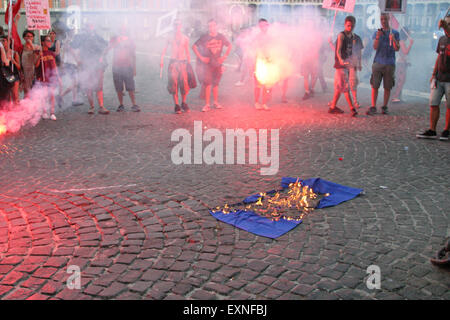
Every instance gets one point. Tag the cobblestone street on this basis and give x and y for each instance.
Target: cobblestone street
(101, 192)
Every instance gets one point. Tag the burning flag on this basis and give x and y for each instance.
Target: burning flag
(274, 213)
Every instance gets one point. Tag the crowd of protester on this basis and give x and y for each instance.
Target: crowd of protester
(39, 66)
(81, 58)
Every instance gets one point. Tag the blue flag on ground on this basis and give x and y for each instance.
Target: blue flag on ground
(254, 223)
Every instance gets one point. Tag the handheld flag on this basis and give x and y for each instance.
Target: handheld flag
(9, 20)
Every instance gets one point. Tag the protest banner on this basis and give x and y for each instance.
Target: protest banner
(38, 14)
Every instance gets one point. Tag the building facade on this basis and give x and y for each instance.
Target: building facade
(421, 14)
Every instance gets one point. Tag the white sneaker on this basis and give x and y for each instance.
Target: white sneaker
(265, 107)
(258, 106)
(45, 116)
(239, 84)
(53, 117)
(206, 108)
(218, 105)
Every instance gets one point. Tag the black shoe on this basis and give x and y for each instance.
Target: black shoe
(121, 108)
(335, 110)
(135, 108)
(371, 111)
(444, 136)
(177, 109)
(429, 134)
(307, 96)
(185, 107)
(353, 112)
(384, 110)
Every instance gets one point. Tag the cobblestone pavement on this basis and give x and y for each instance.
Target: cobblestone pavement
(100, 192)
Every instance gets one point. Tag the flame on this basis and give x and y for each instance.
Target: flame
(267, 72)
(3, 127)
(291, 204)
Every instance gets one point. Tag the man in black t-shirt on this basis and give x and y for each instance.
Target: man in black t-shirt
(347, 62)
(440, 84)
(208, 50)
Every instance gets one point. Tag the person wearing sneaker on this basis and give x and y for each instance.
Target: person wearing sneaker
(402, 64)
(345, 65)
(386, 43)
(178, 75)
(261, 93)
(47, 74)
(124, 67)
(440, 84)
(92, 64)
(209, 50)
(70, 70)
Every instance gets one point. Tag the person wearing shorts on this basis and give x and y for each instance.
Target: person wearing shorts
(178, 67)
(347, 60)
(92, 48)
(386, 43)
(211, 44)
(124, 67)
(261, 93)
(440, 85)
(70, 62)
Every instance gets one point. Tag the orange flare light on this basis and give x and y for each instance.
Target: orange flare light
(267, 73)
(3, 128)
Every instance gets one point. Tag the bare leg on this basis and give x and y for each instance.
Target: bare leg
(306, 83)
(52, 103)
(434, 117)
(120, 97)
(215, 91)
(374, 97)
(132, 97)
(175, 98)
(387, 94)
(100, 98)
(184, 97)
(336, 97)
(15, 93)
(447, 119)
(90, 97)
(208, 94)
(349, 99)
